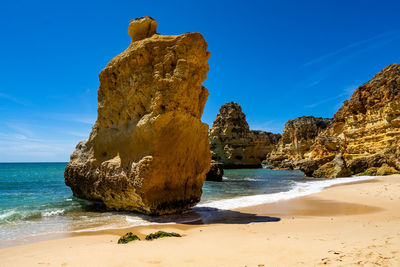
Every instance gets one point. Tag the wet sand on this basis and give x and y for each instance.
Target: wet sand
(345, 225)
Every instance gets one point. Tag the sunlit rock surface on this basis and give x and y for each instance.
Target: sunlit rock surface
(234, 144)
(148, 150)
(365, 130)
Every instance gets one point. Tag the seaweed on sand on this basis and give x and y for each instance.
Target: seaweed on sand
(161, 234)
(128, 237)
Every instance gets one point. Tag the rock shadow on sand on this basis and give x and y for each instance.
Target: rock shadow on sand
(192, 216)
(207, 215)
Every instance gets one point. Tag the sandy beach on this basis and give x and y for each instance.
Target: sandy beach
(345, 225)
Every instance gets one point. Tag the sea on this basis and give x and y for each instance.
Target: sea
(35, 202)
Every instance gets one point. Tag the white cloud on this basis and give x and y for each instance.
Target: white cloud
(13, 99)
(344, 95)
(370, 41)
(20, 128)
(22, 148)
(334, 60)
(78, 134)
(80, 118)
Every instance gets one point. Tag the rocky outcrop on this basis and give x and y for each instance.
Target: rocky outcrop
(332, 169)
(365, 130)
(234, 144)
(297, 138)
(148, 150)
(216, 172)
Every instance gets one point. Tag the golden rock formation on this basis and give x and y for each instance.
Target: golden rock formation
(234, 144)
(365, 130)
(297, 138)
(142, 28)
(148, 150)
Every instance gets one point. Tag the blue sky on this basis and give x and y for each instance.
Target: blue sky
(278, 59)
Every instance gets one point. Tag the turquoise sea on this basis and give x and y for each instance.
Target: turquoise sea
(35, 201)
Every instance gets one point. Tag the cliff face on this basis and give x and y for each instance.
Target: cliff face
(365, 130)
(234, 144)
(148, 150)
(297, 138)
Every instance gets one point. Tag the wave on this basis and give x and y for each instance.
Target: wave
(21, 222)
(299, 189)
(52, 213)
(250, 179)
(14, 215)
(238, 179)
(6, 214)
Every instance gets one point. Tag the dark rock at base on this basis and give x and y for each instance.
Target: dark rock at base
(333, 169)
(309, 166)
(361, 164)
(216, 172)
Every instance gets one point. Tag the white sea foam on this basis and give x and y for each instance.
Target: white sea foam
(130, 221)
(135, 220)
(249, 179)
(22, 228)
(52, 213)
(7, 214)
(299, 189)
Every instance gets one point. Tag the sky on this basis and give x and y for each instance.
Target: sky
(278, 59)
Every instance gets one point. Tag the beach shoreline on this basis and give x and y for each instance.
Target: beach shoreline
(92, 217)
(355, 223)
(209, 213)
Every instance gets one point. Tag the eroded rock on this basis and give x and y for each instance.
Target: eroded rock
(148, 150)
(333, 169)
(142, 28)
(297, 138)
(366, 129)
(234, 144)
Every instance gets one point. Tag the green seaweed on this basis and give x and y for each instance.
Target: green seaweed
(161, 234)
(128, 237)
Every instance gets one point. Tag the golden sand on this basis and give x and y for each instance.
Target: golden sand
(355, 224)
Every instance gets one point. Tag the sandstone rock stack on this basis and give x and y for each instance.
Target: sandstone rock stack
(234, 144)
(365, 131)
(297, 138)
(148, 150)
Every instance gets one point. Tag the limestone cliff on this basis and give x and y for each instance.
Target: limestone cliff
(234, 144)
(365, 130)
(297, 138)
(148, 150)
